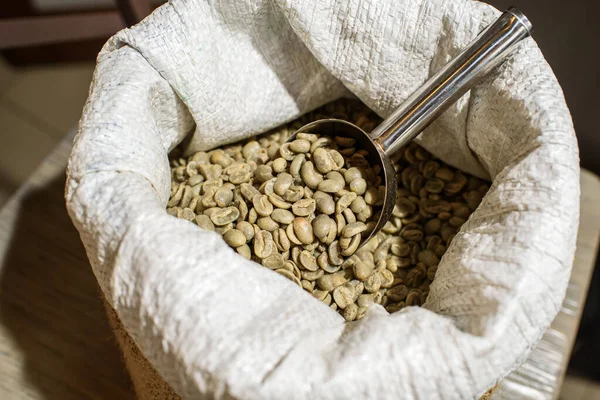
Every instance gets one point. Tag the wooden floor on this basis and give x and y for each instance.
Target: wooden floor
(579, 389)
(55, 342)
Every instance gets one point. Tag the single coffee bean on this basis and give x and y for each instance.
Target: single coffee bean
(304, 207)
(282, 216)
(300, 146)
(262, 205)
(303, 230)
(234, 238)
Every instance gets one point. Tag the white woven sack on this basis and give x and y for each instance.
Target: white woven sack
(216, 325)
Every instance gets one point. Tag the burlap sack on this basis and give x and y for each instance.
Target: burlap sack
(215, 325)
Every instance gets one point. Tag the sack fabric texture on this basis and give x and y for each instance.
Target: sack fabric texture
(216, 325)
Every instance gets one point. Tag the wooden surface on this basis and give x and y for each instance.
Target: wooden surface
(21, 32)
(55, 341)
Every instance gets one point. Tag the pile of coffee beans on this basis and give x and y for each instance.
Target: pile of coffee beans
(303, 208)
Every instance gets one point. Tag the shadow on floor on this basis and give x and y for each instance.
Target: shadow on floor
(50, 304)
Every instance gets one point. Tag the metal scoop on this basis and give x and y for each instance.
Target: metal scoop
(492, 45)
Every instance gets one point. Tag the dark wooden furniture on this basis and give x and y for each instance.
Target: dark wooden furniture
(51, 29)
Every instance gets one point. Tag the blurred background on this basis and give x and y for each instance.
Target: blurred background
(47, 53)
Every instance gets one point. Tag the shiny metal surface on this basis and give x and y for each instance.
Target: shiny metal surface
(443, 89)
(452, 81)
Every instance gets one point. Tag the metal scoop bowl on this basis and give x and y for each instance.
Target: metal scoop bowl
(443, 89)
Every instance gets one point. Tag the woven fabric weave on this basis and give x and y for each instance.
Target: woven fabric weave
(216, 325)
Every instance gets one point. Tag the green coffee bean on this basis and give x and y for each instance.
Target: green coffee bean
(319, 294)
(307, 285)
(286, 153)
(349, 216)
(366, 300)
(296, 165)
(358, 186)
(311, 137)
(278, 202)
(330, 186)
(321, 226)
(279, 165)
(387, 278)
(293, 194)
(221, 230)
(250, 149)
(273, 151)
(300, 146)
(288, 275)
(352, 246)
(363, 269)
(358, 205)
(262, 205)
(267, 224)
(268, 187)
(324, 203)
(282, 216)
(283, 183)
(223, 197)
(281, 240)
(373, 282)
(304, 207)
(274, 261)
(244, 251)
(248, 191)
(303, 230)
(234, 238)
(263, 173)
(338, 160)
(246, 228)
(310, 177)
(353, 229)
(330, 282)
(333, 251)
(224, 216)
(323, 262)
(323, 160)
(264, 245)
(320, 142)
(290, 233)
(343, 296)
(308, 261)
(312, 275)
(203, 221)
(350, 312)
(345, 201)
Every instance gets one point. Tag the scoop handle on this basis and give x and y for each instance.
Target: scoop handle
(492, 45)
